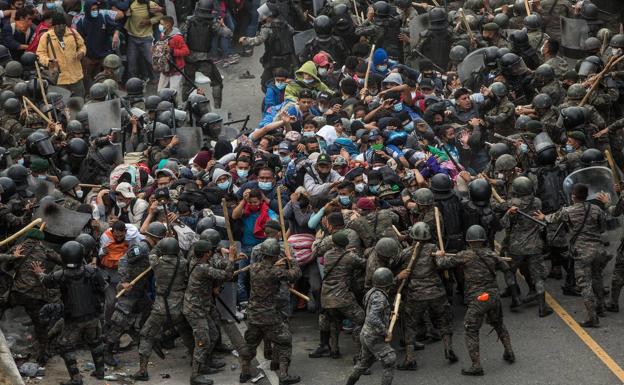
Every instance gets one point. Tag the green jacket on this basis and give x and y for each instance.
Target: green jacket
(294, 88)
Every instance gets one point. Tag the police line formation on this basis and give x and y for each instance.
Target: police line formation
(406, 153)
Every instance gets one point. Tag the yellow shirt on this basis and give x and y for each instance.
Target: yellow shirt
(138, 13)
(66, 54)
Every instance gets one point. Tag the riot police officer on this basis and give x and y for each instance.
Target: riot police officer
(325, 41)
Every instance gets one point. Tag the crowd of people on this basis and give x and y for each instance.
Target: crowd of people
(406, 152)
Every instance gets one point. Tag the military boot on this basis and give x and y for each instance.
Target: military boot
(614, 306)
(109, 357)
(544, 309)
(516, 301)
(323, 349)
(142, 375)
(449, 354)
(98, 361)
(352, 380)
(74, 374)
(410, 359)
(592, 318)
(505, 339)
(245, 374)
(284, 377)
(196, 377)
(475, 369)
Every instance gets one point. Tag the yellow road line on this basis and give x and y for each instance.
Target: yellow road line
(586, 338)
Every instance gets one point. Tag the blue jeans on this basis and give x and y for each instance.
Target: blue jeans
(225, 43)
(242, 293)
(139, 54)
(251, 6)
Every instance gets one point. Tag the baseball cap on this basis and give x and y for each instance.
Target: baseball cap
(125, 189)
(320, 59)
(340, 161)
(323, 159)
(283, 147)
(426, 84)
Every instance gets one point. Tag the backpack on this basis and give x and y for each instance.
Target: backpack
(162, 56)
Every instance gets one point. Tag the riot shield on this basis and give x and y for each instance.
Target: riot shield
(573, 35)
(65, 94)
(191, 141)
(471, 63)
(597, 178)
(60, 221)
(542, 142)
(103, 116)
(300, 39)
(417, 25)
(317, 6)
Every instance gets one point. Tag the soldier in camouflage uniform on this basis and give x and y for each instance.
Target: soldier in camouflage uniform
(171, 273)
(136, 301)
(499, 116)
(337, 298)
(373, 338)
(72, 192)
(586, 223)
(424, 293)
(199, 304)
(617, 281)
(372, 225)
(384, 254)
(526, 241)
(10, 119)
(263, 315)
(9, 222)
(163, 146)
(26, 289)
(480, 264)
(575, 148)
(424, 210)
(546, 83)
(574, 95)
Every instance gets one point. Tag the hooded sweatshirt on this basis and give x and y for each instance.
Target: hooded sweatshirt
(293, 88)
(177, 47)
(96, 32)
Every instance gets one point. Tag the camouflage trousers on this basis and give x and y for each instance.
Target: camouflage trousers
(279, 335)
(153, 330)
(75, 333)
(588, 268)
(32, 306)
(617, 282)
(331, 320)
(206, 334)
(127, 310)
(414, 312)
(532, 268)
(490, 310)
(375, 348)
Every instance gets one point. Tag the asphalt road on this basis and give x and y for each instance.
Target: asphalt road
(547, 350)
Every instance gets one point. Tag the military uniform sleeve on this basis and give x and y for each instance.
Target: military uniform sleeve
(375, 314)
(291, 275)
(262, 36)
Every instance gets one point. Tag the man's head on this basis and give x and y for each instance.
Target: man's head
(579, 192)
(335, 221)
(272, 229)
(462, 99)
(346, 192)
(59, 24)
(119, 231)
(254, 199)
(23, 19)
(17, 4)
(266, 179)
(167, 23)
(306, 100)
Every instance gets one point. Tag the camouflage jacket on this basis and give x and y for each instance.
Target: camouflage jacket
(555, 90)
(525, 236)
(585, 235)
(323, 245)
(198, 298)
(169, 278)
(25, 281)
(340, 265)
(500, 118)
(265, 281)
(424, 281)
(9, 222)
(373, 261)
(559, 64)
(378, 311)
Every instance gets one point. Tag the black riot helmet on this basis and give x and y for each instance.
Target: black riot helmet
(78, 147)
(480, 192)
(162, 131)
(18, 173)
(441, 186)
(137, 252)
(438, 19)
(72, 254)
(204, 224)
(74, 127)
(211, 235)
(382, 9)
(542, 101)
(498, 149)
(573, 117)
(28, 60)
(476, 233)
(68, 183)
(7, 189)
(490, 57)
(198, 105)
(519, 40)
(151, 102)
(543, 74)
(205, 9)
(592, 157)
(211, 124)
(533, 21)
(590, 65)
(323, 26)
(134, 88)
(87, 241)
(11, 106)
(510, 62)
(109, 154)
(458, 53)
(168, 94)
(545, 148)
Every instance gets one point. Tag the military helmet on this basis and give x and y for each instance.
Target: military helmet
(202, 246)
(617, 41)
(403, 4)
(111, 61)
(7, 94)
(13, 69)
(589, 11)
(21, 89)
(592, 44)
(137, 252)
(383, 278)
(340, 238)
(519, 38)
(498, 149)
(545, 72)
(8, 188)
(198, 104)
(437, 15)
(169, 246)
(83, 116)
(480, 191)
(501, 19)
(424, 197)
(205, 223)
(88, 242)
(211, 235)
(134, 87)
(108, 154)
(505, 162)
(270, 247)
(72, 254)
(592, 157)
(341, 9)
(420, 232)
(205, 8)
(533, 21)
(441, 183)
(498, 89)
(112, 87)
(458, 53)
(519, 8)
(11, 106)
(522, 186)
(590, 65)
(162, 131)
(382, 8)
(323, 26)
(68, 182)
(151, 102)
(98, 91)
(576, 92)
(509, 60)
(28, 59)
(78, 147)
(387, 247)
(542, 101)
(168, 94)
(573, 117)
(474, 5)
(476, 233)
(156, 230)
(74, 126)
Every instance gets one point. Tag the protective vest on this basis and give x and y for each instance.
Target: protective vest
(199, 34)
(80, 299)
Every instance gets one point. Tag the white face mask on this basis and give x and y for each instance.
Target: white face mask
(79, 194)
(121, 205)
(359, 187)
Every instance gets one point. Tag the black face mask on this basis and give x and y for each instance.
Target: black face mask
(303, 202)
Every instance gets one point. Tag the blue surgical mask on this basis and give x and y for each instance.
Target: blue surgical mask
(242, 173)
(409, 127)
(398, 107)
(308, 81)
(20, 161)
(280, 85)
(344, 200)
(373, 189)
(266, 186)
(44, 177)
(309, 134)
(50, 5)
(322, 71)
(223, 185)
(359, 187)
(524, 148)
(285, 159)
(94, 13)
(161, 28)
(568, 148)
(382, 68)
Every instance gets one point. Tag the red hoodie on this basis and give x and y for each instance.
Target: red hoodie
(40, 30)
(178, 48)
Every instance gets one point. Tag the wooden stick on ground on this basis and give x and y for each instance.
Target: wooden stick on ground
(21, 232)
(134, 281)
